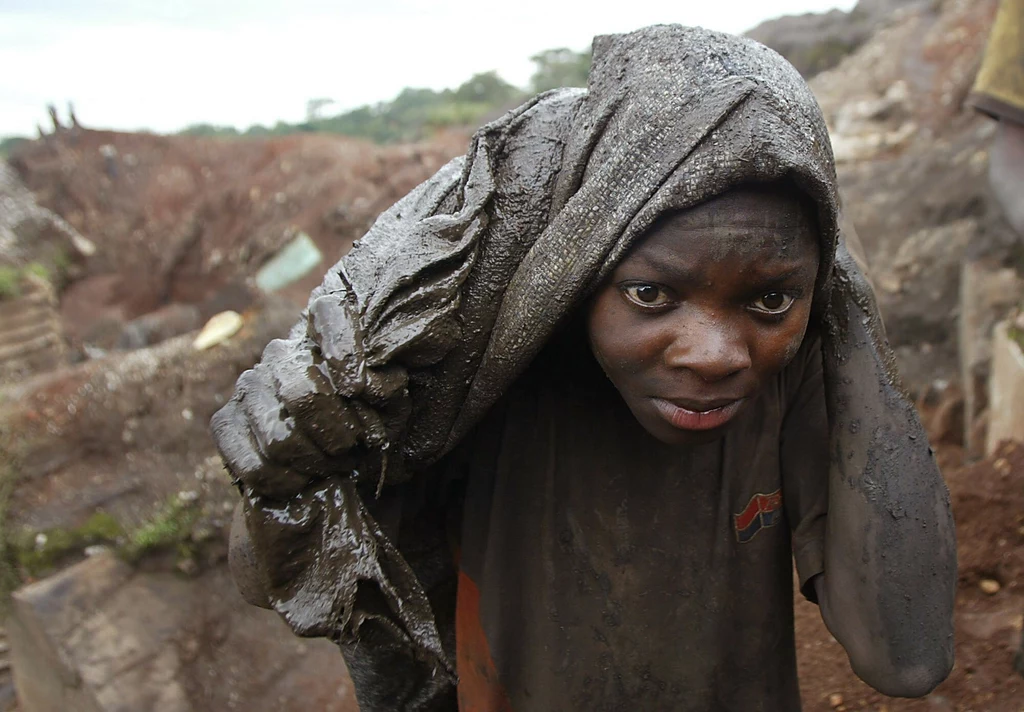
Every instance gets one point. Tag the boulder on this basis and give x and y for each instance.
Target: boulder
(987, 291)
(1006, 385)
(104, 637)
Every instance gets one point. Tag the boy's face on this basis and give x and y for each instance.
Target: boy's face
(705, 310)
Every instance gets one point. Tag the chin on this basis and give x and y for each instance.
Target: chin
(691, 437)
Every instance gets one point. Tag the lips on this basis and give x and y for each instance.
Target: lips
(697, 415)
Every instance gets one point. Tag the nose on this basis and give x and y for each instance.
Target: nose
(710, 347)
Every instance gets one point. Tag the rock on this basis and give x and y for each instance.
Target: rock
(835, 699)
(30, 232)
(218, 329)
(1006, 388)
(100, 637)
(989, 586)
(987, 292)
(814, 42)
(164, 323)
(31, 334)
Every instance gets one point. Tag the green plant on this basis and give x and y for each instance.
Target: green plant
(37, 269)
(170, 528)
(10, 283)
(9, 577)
(37, 552)
(1016, 334)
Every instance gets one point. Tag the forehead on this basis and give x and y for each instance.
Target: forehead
(754, 223)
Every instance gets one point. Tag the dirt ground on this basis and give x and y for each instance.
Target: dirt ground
(988, 504)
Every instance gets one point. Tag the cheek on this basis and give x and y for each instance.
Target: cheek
(619, 340)
(780, 345)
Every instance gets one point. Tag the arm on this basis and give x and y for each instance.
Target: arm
(1006, 171)
(889, 579)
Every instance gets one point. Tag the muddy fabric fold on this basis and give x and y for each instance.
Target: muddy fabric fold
(432, 316)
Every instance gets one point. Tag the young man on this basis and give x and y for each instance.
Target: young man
(549, 437)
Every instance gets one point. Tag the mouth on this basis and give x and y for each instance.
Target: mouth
(696, 415)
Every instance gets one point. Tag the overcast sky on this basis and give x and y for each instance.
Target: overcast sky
(163, 64)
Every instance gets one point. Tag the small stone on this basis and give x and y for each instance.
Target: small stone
(1002, 466)
(187, 414)
(218, 329)
(41, 540)
(835, 699)
(989, 586)
(96, 549)
(188, 496)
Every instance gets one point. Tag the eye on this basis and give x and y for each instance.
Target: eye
(646, 295)
(774, 303)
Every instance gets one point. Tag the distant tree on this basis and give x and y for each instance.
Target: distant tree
(9, 144)
(314, 107)
(488, 88)
(559, 68)
(208, 130)
(416, 112)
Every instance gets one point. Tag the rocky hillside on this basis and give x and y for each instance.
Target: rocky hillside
(185, 220)
(108, 453)
(814, 42)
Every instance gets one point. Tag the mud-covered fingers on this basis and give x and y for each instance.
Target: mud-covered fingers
(242, 457)
(306, 392)
(273, 427)
(244, 566)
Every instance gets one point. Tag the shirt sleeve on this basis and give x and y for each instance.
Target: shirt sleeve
(805, 463)
(999, 86)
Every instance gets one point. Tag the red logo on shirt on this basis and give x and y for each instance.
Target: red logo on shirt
(763, 510)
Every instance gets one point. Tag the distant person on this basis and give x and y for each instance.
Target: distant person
(999, 92)
(549, 438)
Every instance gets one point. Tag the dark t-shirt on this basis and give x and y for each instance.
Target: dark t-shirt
(603, 570)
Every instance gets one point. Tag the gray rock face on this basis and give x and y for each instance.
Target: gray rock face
(29, 231)
(101, 637)
(814, 42)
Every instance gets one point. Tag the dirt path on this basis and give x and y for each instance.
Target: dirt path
(988, 502)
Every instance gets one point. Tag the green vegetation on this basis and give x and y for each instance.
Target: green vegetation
(416, 113)
(36, 553)
(9, 577)
(11, 278)
(9, 144)
(559, 68)
(171, 528)
(37, 269)
(1015, 332)
(10, 283)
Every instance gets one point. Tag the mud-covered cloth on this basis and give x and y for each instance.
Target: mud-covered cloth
(431, 318)
(601, 571)
(999, 87)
